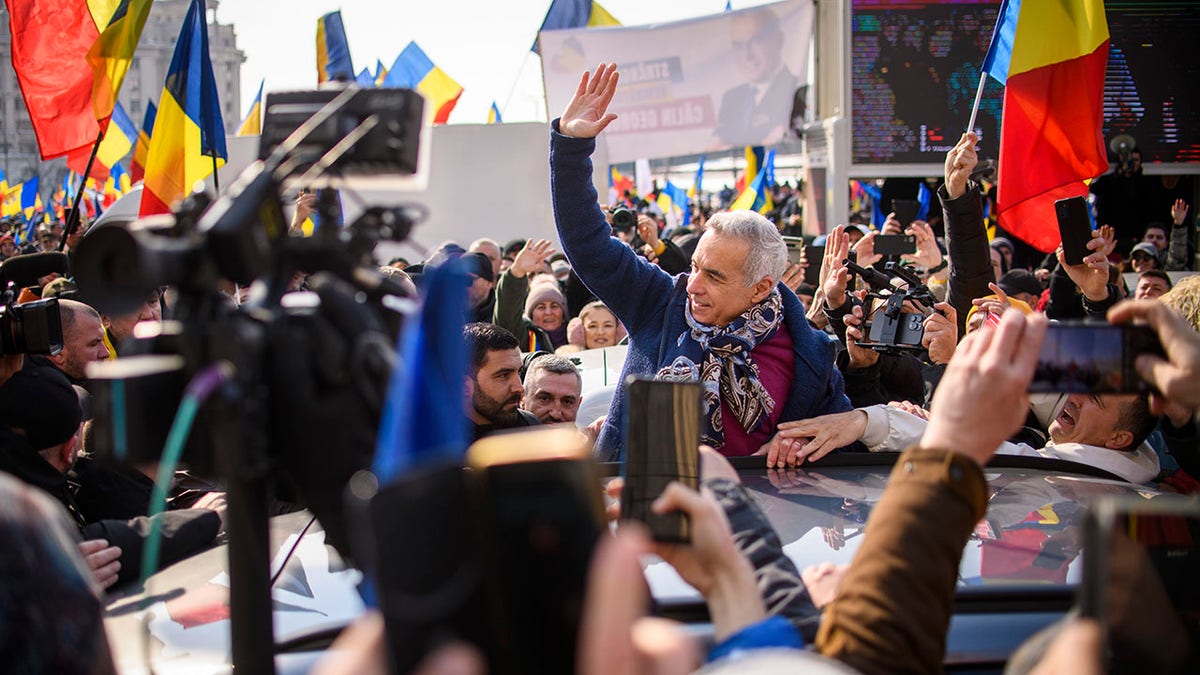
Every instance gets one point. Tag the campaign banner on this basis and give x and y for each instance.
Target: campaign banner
(700, 85)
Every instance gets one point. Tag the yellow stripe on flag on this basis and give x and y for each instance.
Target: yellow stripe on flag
(1053, 31)
(174, 164)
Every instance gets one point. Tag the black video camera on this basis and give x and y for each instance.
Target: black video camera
(30, 327)
(624, 220)
(891, 326)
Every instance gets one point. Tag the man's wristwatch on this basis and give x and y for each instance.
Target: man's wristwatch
(939, 267)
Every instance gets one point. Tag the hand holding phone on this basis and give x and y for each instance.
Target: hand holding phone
(1093, 358)
(1075, 227)
(662, 445)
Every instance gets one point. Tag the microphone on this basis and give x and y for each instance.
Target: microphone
(25, 270)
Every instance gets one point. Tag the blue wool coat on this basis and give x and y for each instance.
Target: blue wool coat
(651, 303)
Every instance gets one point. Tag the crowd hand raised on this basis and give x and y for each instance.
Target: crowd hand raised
(816, 311)
(531, 257)
(586, 115)
(711, 562)
(928, 254)
(306, 204)
(648, 231)
(982, 397)
(103, 560)
(960, 162)
(648, 254)
(1091, 276)
(910, 408)
(997, 305)
(860, 357)
(891, 225)
(1179, 211)
(1109, 235)
(793, 276)
(824, 435)
(834, 275)
(865, 250)
(1176, 378)
(941, 333)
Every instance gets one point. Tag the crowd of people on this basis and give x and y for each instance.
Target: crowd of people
(789, 373)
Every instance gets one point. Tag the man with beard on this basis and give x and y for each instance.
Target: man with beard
(493, 385)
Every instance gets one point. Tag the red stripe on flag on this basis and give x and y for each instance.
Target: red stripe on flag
(443, 113)
(1050, 142)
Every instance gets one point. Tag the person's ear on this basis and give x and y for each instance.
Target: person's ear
(1120, 440)
(762, 289)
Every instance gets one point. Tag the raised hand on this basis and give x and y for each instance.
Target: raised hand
(530, 258)
(587, 113)
(834, 275)
(928, 254)
(1109, 235)
(1179, 211)
(865, 250)
(1091, 276)
(960, 162)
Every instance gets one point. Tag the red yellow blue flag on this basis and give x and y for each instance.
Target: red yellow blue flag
(564, 14)
(1051, 56)
(137, 165)
(188, 142)
(252, 122)
(413, 70)
(333, 50)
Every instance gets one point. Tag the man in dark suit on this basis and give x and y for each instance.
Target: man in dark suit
(770, 99)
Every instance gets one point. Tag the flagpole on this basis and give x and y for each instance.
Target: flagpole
(978, 97)
(216, 182)
(73, 218)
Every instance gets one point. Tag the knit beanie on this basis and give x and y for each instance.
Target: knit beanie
(544, 287)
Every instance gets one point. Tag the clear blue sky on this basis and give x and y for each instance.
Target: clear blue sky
(482, 45)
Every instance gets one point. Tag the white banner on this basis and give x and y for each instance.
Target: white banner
(723, 81)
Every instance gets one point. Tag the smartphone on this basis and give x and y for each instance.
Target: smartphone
(795, 245)
(1097, 358)
(1075, 227)
(906, 212)
(1140, 582)
(662, 444)
(812, 275)
(895, 244)
(538, 514)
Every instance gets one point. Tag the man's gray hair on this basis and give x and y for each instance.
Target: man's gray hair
(551, 363)
(767, 257)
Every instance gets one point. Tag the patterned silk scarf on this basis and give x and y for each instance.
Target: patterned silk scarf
(726, 369)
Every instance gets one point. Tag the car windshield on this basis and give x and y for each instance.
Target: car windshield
(1032, 535)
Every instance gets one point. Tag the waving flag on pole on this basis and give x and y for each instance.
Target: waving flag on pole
(137, 165)
(1051, 56)
(189, 135)
(754, 161)
(494, 115)
(574, 14)
(674, 202)
(413, 70)
(698, 180)
(333, 50)
(380, 73)
(252, 122)
(70, 59)
(118, 142)
(757, 196)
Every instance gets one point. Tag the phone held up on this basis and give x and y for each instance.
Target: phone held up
(1140, 582)
(1075, 227)
(662, 444)
(1097, 358)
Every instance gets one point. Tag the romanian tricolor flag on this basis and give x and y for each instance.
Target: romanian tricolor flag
(333, 50)
(189, 135)
(380, 73)
(1051, 56)
(413, 70)
(619, 182)
(119, 179)
(754, 161)
(137, 166)
(757, 197)
(674, 202)
(12, 200)
(574, 14)
(70, 59)
(118, 141)
(698, 180)
(252, 122)
(494, 114)
(30, 199)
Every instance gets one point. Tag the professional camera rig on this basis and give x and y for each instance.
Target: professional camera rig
(294, 387)
(889, 327)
